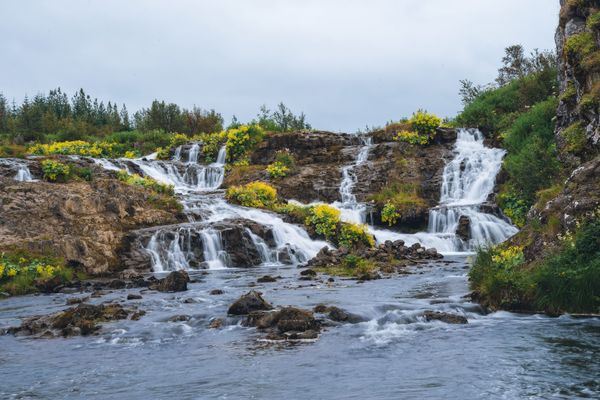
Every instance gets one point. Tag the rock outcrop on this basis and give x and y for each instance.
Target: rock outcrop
(82, 222)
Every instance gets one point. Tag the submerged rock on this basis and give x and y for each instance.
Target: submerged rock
(251, 301)
(85, 319)
(266, 279)
(444, 317)
(286, 323)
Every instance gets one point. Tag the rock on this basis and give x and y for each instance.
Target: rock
(308, 272)
(266, 279)
(251, 301)
(76, 300)
(463, 230)
(444, 317)
(176, 281)
(117, 284)
(180, 318)
(133, 296)
(216, 292)
(51, 285)
(285, 320)
(216, 323)
(81, 320)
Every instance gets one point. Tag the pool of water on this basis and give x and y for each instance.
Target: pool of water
(393, 354)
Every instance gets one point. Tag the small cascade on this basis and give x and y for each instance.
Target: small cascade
(19, 168)
(199, 244)
(468, 181)
(23, 174)
(351, 210)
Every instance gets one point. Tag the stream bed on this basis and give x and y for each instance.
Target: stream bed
(393, 354)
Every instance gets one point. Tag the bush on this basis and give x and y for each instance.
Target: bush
(324, 219)
(389, 214)
(145, 182)
(513, 206)
(352, 235)
(54, 171)
(254, 194)
(277, 170)
(412, 138)
(241, 140)
(574, 137)
(425, 123)
(402, 196)
(20, 272)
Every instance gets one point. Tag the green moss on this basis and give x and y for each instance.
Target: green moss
(588, 102)
(591, 62)
(570, 94)
(593, 21)
(580, 45)
(402, 196)
(352, 266)
(574, 137)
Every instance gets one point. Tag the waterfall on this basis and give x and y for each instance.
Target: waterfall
(351, 210)
(23, 174)
(198, 244)
(19, 168)
(467, 182)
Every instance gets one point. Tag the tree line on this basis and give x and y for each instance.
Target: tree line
(56, 116)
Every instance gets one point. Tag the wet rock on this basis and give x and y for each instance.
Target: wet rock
(287, 323)
(51, 285)
(463, 230)
(266, 279)
(308, 272)
(180, 318)
(176, 281)
(216, 323)
(76, 300)
(444, 317)
(137, 315)
(117, 284)
(251, 301)
(216, 292)
(83, 320)
(133, 296)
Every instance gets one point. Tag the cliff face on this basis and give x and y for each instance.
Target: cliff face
(578, 50)
(82, 222)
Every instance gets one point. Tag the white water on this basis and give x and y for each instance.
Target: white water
(197, 185)
(468, 180)
(351, 210)
(22, 172)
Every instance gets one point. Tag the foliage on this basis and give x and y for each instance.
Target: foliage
(145, 182)
(277, 170)
(574, 137)
(565, 281)
(412, 138)
(324, 219)
(532, 162)
(54, 171)
(353, 235)
(593, 21)
(389, 214)
(425, 123)
(513, 206)
(241, 140)
(280, 120)
(402, 196)
(76, 147)
(286, 158)
(211, 144)
(20, 272)
(254, 194)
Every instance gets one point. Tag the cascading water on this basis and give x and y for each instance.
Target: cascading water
(176, 248)
(20, 168)
(351, 210)
(468, 181)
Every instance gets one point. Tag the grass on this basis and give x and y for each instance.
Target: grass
(403, 196)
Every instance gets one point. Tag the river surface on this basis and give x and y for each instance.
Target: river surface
(392, 355)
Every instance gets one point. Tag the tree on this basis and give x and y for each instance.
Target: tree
(515, 65)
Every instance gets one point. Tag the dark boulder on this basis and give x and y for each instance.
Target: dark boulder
(444, 317)
(463, 230)
(176, 281)
(251, 301)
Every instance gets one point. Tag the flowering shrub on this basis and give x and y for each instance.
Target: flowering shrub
(55, 171)
(76, 147)
(508, 257)
(425, 123)
(145, 182)
(324, 219)
(412, 138)
(254, 194)
(277, 170)
(389, 214)
(19, 274)
(241, 140)
(352, 235)
(514, 207)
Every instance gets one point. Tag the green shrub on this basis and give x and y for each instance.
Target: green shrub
(277, 170)
(574, 137)
(20, 272)
(353, 235)
(286, 158)
(580, 45)
(402, 196)
(425, 123)
(570, 94)
(145, 182)
(412, 138)
(254, 194)
(513, 206)
(242, 140)
(389, 214)
(593, 21)
(324, 219)
(54, 171)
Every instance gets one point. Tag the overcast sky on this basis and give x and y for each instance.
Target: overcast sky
(345, 63)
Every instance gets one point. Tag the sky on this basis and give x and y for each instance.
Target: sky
(346, 64)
